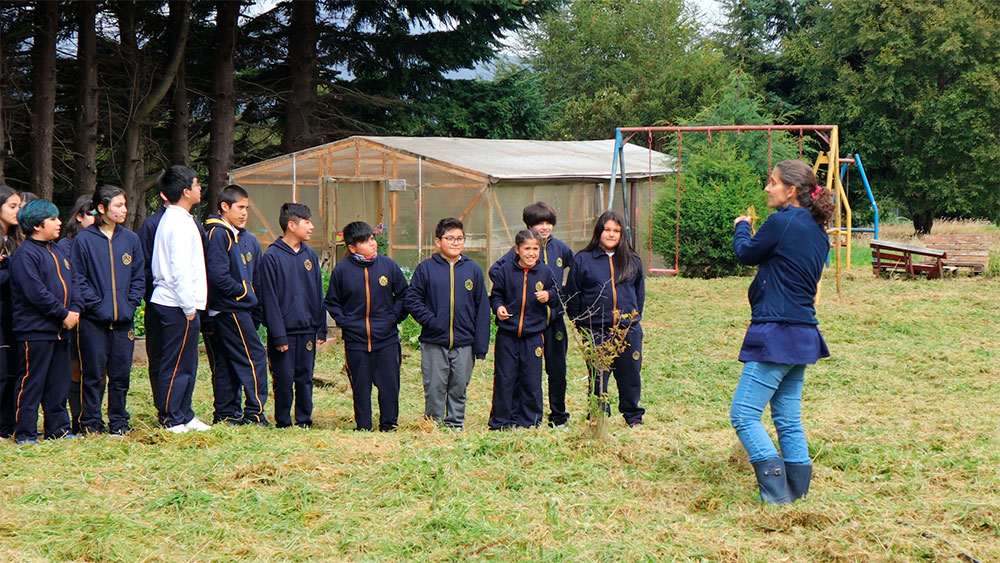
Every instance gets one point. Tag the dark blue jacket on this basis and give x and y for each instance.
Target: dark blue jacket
(230, 286)
(557, 256)
(290, 285)
(593, 295)
(450, 303)
(253, 254)
(42, 290)
(366, 301)
(6, 313)
(514, 287)
(109, 274)
(791, 250)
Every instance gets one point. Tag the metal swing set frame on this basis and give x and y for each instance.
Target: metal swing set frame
(840, 231)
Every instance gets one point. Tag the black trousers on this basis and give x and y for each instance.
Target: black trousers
(517, 381)
(381, 369)
(154, 348)
(226, 389)
(43, 379)
(104, 351)
(178, 365)
(8, 388)
(246, 360)
(555, 367)
(292, 372)
(626, 369)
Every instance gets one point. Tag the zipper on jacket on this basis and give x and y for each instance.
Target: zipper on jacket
(614, 290)
(368, 310)
(451, 308)
(65, 290)
(114, 284)
(524, 298)
(545, 260)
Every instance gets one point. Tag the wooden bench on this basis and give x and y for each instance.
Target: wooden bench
(889, 257)
(964, 251)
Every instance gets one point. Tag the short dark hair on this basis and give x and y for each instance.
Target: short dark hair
(29, 196)
(524, 235)
(102, 196)
(230, 195)
(293, 212)
(447, 224)
(357, 232)
(174, 180)
(34, 213)
(538, 212)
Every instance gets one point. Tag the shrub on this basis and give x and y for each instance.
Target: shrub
(718, 185)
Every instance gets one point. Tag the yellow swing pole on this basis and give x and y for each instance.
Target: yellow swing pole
(832, 184)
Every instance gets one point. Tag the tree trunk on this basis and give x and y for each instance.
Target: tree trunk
(922, 222)
(43, 60)
(220, 145)
(301, 103)
(180, 152)
(135, 188)
(85, 151)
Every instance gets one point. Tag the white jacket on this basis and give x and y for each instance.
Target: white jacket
(179, 278)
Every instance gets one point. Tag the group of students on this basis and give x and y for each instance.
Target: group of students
(74, 301)
(447, 295)
(72, 304)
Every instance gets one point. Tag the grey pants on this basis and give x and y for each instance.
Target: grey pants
(446, 374)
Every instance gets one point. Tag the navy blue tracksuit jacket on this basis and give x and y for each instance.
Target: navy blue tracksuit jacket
(366, 301)
(515, 287)
(593, 294)
(42, 290)
(229, 280)
(450, 303)
(110, 274)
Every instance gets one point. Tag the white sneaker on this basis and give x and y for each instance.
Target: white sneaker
(197, 425)
(179, 429)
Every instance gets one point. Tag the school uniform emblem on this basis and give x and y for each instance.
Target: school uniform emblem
(539, 286)
(131, 334)
(538, 352)
(635, 355)
(559, 335)
(126, 258)
(308, 264)
(559, 262)
(249, 256)
(383, 281)
(468, 285)
(309, 345)
(66, 263)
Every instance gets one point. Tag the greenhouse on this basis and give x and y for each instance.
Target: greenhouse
(402, 186)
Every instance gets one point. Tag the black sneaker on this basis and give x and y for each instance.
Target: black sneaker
(119, 432)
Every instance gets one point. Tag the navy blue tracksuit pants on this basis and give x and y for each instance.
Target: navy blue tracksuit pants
(292, 371)
(8, 389)
(104, 350)
(154, 348)
(380, 368)
(227, 393)
(178, 365)
(246, 359)
(517, 381)
(555, 367)
(626, 369)
(43, 378)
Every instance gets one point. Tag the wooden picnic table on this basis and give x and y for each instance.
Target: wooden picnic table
(888, 257)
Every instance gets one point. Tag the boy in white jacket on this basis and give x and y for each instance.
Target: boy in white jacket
(180, 290)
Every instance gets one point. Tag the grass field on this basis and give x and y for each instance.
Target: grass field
(902, 422)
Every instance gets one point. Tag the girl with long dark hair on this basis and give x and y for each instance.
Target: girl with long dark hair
(791, 249)
(10, 238)
(607, 289)
(108, 269)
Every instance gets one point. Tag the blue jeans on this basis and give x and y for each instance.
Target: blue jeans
(781, 385)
